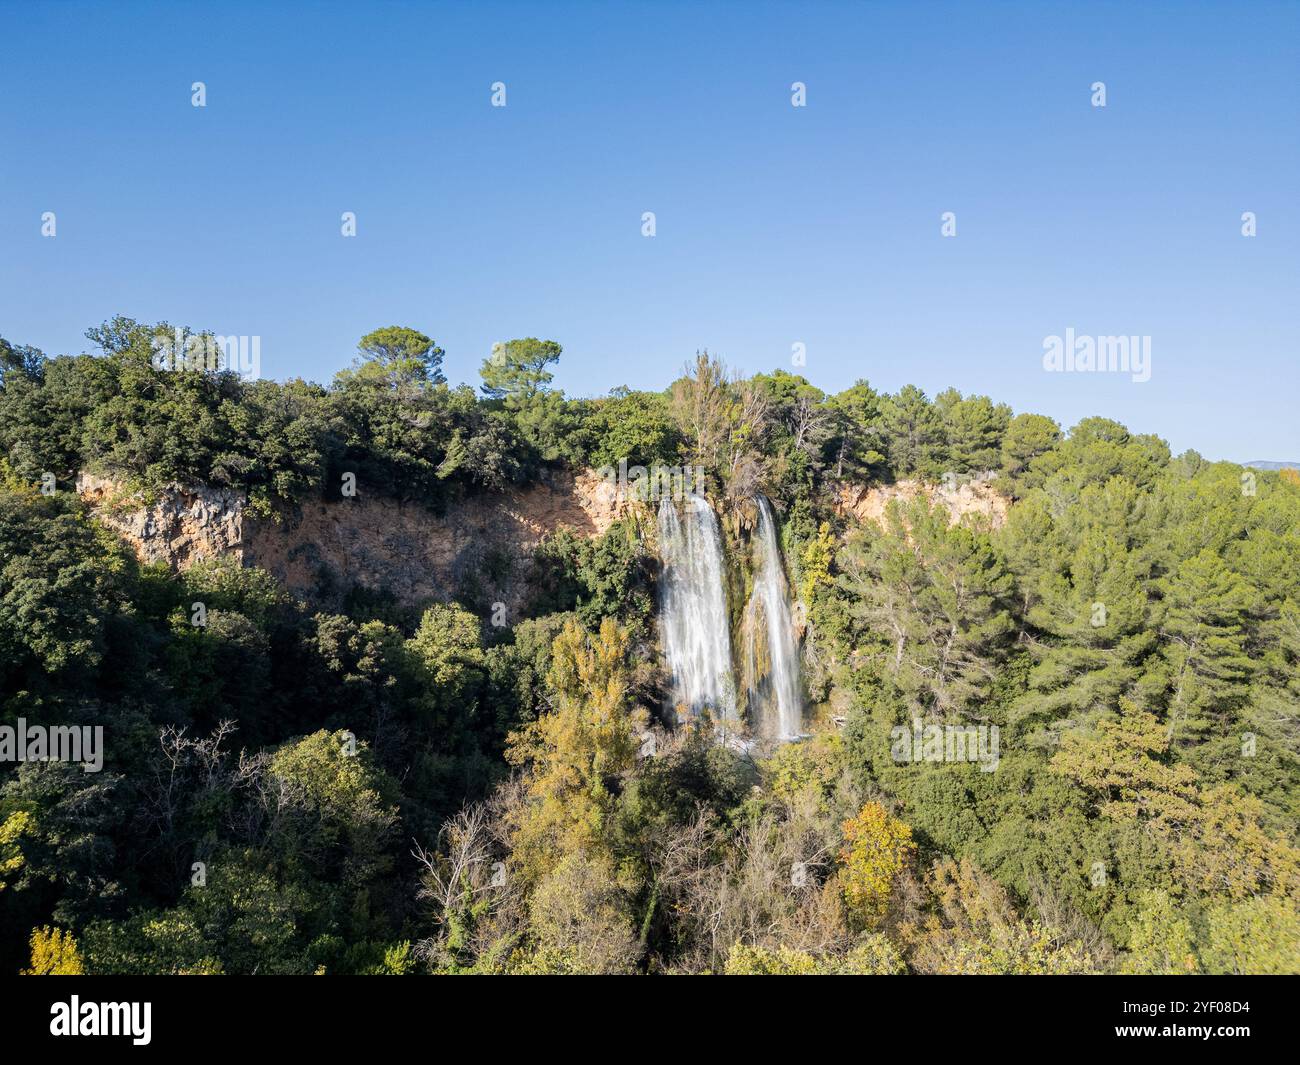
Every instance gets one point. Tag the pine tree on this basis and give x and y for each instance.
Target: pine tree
(975, 428)
(1093, 642)
(930, 602)
(1203, 624)
(913, 431)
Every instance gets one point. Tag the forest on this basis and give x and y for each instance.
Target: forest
(387, 788)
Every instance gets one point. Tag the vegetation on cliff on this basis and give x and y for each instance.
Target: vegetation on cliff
(388, 790)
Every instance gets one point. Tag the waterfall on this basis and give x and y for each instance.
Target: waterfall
(693, 621)
(771, 652)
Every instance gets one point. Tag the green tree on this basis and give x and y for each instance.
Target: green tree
(1090, 611)
(1256, 937)
(857, 450)
(928, 603)
(345, 803)
(1027, 437)
(448, 645)
(974, 429)
(517, 369)
(22, 360)
(1096, 450)
(399, 358)
(62, 577)
(1203, 624)
(516, 376)
(913, 433)
(634, 426)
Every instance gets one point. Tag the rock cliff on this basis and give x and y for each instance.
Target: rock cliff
(322, 549)
(480, 549)
(868, 503)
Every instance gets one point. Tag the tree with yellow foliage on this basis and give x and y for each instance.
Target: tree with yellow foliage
(11, 856)
(873, 955)
(815, 563)
(878, 848)
(972, 929)
(1213, 839)
(576, 754)
(54, 953)
(1161, 940)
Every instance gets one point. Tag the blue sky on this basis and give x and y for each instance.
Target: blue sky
(775, 224)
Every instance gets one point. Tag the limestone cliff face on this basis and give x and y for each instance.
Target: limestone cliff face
(481, 546)
(185, 526)
(481, 549)
(868, 503)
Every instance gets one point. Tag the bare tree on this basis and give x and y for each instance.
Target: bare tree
(700, 403)
(480, 909)
(460, 869)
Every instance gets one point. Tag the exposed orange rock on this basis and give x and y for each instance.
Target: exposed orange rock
(868, 502)
(323, 547)
(417, 555)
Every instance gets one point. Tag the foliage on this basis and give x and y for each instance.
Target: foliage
(369, 785)
(54, 953)
(632, 427)
(400, 358)
(972, 929)
(877, 851)
(873, 956)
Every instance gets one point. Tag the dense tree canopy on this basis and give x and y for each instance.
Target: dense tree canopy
(364, 787)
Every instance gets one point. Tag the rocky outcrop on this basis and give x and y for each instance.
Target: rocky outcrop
(480, 547)
(976, 496)
(184, 526)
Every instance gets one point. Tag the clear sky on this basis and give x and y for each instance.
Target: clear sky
(775, 224)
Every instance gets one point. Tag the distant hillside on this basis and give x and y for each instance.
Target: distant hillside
(1259, 464)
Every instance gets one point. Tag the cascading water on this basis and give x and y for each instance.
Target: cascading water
(693, 619)
(771, 652)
